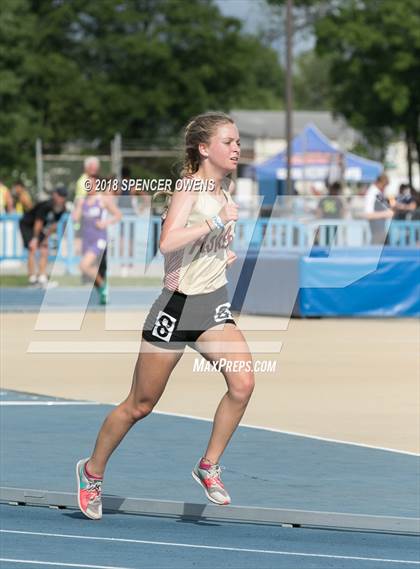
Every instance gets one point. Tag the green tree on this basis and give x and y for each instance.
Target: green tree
(19, 120)
(77, 70)
(373, 51)
(311, 82)
(375, 66)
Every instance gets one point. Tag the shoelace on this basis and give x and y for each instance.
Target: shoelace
(216, 470)
(94, 489)
(214, 475)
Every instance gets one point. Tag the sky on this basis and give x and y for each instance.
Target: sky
(257, 15)
(251, 12)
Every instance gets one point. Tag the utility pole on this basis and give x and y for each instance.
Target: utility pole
(116, 156)
(39, 169)
(289, 93)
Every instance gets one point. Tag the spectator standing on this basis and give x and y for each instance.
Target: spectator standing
(22, 198)
(331, 206)
(377, 210)
(6, 201)
(91, 168)
(405, 204)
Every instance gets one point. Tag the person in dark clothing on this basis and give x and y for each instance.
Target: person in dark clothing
(416, 213)
(405, 204)
(331, 206)
(36, 226)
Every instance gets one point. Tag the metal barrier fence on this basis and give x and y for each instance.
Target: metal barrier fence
(135, 239)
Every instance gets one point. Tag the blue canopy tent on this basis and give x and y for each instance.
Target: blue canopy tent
(314, 158)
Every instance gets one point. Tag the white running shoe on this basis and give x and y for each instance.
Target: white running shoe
(89, 492)
(42, 280)
(208, 476)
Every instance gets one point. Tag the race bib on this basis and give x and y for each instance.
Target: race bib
(164, 326)
(94, 211)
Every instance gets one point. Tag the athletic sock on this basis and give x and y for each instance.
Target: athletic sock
(91, 476)
(205, 464)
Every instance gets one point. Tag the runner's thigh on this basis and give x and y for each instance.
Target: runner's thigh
(153, 368)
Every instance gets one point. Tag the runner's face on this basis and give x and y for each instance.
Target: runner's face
(224, 148)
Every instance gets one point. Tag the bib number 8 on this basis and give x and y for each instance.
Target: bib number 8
(164, 326)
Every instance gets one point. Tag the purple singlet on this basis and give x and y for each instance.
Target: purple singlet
(93, 238)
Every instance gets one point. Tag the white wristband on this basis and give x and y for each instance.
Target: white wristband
(217, 220)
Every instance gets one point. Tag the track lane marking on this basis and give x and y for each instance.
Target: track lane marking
(212, 547)
(59, 564)
(45, 403)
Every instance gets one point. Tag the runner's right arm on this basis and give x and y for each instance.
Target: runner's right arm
(174, 233)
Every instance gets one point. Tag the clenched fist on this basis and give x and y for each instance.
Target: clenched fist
(229, 213)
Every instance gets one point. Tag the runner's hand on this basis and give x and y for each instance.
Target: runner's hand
(229, 213)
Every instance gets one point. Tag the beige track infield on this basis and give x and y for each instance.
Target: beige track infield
(355, 380)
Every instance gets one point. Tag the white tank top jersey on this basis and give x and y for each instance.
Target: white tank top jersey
(200, 267)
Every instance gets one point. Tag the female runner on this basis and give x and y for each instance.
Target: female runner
(192, 309)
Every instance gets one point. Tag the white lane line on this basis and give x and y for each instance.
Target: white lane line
(45, 403)
(196, 418)
(211, 547)
(59, 564)
(303, 435)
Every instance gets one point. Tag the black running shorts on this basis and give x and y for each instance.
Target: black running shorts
(177, 319)
(27, 232)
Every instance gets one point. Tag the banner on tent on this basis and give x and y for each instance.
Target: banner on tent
(318, 173)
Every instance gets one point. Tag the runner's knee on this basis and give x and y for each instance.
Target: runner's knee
(139, 410)
(241, 387)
